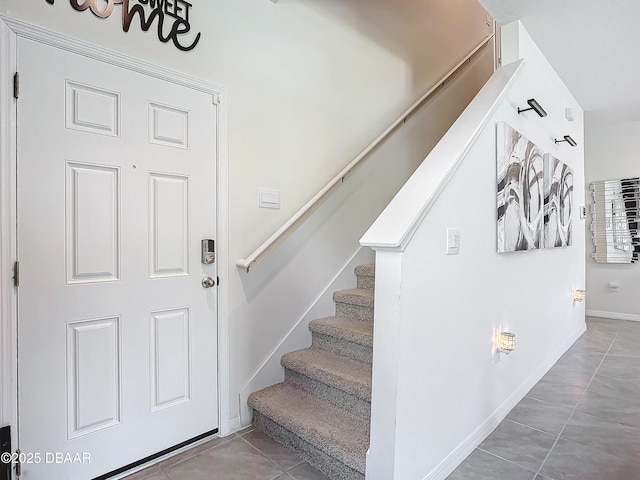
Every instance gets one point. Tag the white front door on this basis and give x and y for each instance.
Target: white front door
(116, 333)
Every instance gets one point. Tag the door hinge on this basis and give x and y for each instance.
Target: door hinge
(216, 99)
(16, 85)
(16, 274)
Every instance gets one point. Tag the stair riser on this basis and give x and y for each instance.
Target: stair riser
(366, 282)
(316, 457)
(357, 406)
(338, 346)
(357, 312)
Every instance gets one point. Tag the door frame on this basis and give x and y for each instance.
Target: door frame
(10, 30)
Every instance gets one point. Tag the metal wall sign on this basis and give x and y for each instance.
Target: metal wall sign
(171, 17)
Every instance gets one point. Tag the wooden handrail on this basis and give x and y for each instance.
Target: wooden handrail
(288, 227)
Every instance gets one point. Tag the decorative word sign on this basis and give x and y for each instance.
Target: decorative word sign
(176, 11)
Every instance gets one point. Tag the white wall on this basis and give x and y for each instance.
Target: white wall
(311, 83)
(611, 153)
(436, 314)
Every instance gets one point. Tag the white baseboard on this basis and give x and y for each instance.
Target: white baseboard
(613, 315)
(234, 425)
(462, 451)
(270, 371)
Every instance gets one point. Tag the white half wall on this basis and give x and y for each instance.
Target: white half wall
(611, 153)
(439, 387)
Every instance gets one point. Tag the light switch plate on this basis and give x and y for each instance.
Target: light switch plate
(268, 198)
(453, 241)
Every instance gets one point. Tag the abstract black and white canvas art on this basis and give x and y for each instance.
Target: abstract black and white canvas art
(558, 202)
(520, 191)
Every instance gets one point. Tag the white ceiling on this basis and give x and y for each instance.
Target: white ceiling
(594, 45)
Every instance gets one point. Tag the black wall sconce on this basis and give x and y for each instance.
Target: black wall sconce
(569, 140)
(535, 106)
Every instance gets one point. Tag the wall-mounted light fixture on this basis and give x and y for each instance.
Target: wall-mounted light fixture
(535, 106)
(579, 295)
(506, 342)
(569, 140)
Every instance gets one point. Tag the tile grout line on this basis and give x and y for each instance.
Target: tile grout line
(575, 406)
(272, 461)
(236, 436)
(175, 455)
(545, 401)
(534, 428)
(186, 458)
(505, 460)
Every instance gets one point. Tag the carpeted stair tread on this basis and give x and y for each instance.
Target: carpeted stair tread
(345, 374)
(318, 422)
(367, 270)
(354, 296)
(344, 328)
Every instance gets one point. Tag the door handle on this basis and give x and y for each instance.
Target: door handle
(208, 282)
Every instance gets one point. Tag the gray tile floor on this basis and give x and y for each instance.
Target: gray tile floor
(246, 455)
(580, 422)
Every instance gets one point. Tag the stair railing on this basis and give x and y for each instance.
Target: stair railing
(290, 225)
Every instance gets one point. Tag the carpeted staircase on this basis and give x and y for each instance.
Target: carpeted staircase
(322, 409)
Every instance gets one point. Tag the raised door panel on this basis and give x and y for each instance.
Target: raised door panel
(92, 223)
(93, 375)
(168, 225)
(170, 358)
(91, 109)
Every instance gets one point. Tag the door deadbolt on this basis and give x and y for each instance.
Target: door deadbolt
(208, 282)
(208, 255)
